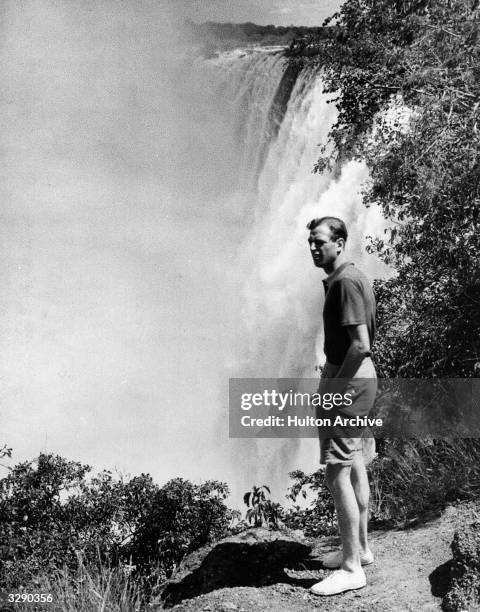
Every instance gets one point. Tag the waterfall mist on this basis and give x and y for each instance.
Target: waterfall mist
(280, 294)
(153, 240)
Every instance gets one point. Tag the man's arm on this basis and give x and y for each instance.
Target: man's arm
(359, 349)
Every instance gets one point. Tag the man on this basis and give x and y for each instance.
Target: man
(349, 327)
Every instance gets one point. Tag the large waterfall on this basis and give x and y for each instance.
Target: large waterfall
(278, 117)
(154, 243)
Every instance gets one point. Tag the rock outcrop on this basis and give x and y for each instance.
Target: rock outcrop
(464, 591)
(253, 558)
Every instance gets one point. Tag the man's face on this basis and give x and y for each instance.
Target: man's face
(324, 250)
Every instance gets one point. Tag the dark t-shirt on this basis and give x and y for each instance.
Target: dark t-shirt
(349, 300)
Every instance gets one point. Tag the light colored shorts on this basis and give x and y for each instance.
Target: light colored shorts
(339, 444)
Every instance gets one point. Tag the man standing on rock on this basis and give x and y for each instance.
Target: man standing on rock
(349, 328)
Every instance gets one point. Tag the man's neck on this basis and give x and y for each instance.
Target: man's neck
(341, 259)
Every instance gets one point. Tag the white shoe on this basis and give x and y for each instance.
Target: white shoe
(339, 582)
(334, 559)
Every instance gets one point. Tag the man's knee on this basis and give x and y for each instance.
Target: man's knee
(337, 475)
(359, 470)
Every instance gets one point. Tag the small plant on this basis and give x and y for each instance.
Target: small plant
(261, 510)
(318, 518)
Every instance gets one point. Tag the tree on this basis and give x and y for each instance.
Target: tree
(423, 56)
(35, 528)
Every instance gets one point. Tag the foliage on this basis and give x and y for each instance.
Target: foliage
(410, 478)
(51, 516)
(318, 518)
(5, 451)
(261, 510)
(177, 520)
(405, 77)
(98, 587)
(36, 529)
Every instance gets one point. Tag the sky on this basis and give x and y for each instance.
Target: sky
(104, 313)
(114, 324)
(278, 12)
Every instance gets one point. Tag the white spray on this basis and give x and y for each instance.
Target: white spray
(280, 311)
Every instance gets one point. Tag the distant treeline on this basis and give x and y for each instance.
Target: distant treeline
(226, 34)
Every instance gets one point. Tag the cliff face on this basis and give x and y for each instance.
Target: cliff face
(282, 96)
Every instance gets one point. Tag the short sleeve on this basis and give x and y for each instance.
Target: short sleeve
(352, 303)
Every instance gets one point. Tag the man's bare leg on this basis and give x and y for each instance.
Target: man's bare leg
(348, 515)
(361, 489)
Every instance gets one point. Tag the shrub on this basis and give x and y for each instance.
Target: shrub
(51, 517)
(261, 510)
(180, 518)
(412, 477)
(408, 479)
(319, 518)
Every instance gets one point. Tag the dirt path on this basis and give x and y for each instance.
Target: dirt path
(407, 575)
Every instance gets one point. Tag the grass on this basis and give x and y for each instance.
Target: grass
(102, 588)
(414, 477)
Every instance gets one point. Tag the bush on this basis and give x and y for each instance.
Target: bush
(180, 517)
(318, 519)
(408, 479)
(413, 477)
(52, 518)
